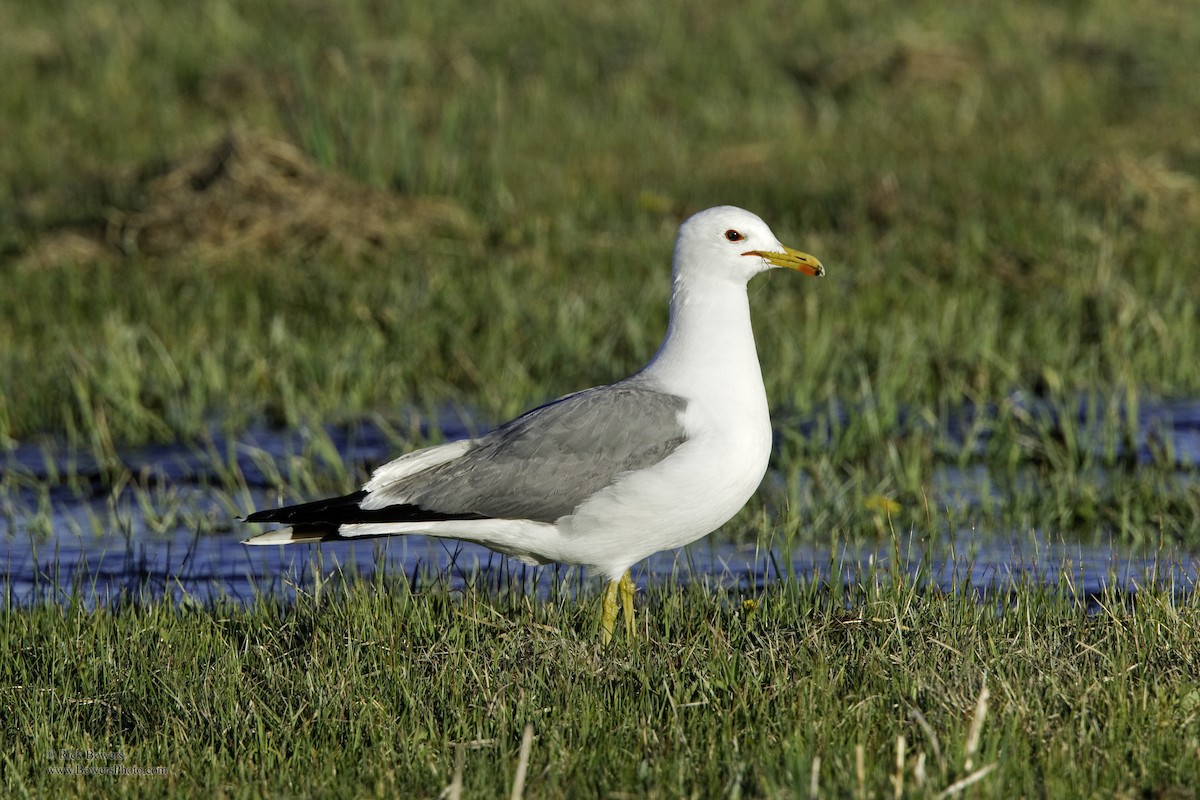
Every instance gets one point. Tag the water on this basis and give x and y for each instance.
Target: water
(102, 547)
(201, 568)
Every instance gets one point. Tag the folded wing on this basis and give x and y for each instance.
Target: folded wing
(541, 466)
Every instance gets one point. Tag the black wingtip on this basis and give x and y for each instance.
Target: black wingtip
(328, 510)
(348, 510)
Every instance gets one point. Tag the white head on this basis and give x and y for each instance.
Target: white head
(731, 243)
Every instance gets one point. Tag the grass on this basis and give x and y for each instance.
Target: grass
(377, 689)
(1007, 201)
(1001, 203)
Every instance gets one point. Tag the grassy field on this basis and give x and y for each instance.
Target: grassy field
(476, 209)
(373, 690)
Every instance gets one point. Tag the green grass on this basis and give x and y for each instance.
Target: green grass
(1005, 201)
(1008, 203)
(368, 689)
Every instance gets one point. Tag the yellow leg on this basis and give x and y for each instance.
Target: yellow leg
(623, 589)
(608, 611)
(626, 589)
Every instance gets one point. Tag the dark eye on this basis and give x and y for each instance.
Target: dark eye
(733, 235)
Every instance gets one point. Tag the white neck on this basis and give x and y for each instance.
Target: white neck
(709, 345)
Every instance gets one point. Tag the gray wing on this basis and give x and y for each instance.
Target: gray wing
(546, 462)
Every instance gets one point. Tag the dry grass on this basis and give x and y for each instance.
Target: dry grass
(1150, 190)
(252, 195)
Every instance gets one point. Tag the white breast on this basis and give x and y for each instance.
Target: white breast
(688, 495)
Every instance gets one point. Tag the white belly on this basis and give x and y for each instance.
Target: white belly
(688, 495)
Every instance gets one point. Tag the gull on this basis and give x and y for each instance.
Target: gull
(607, 476)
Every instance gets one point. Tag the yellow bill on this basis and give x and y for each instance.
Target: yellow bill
(792, 259)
